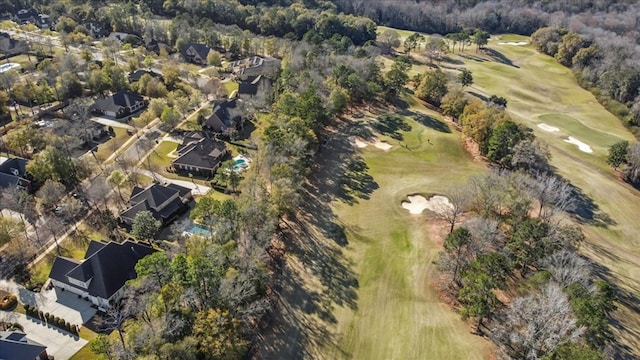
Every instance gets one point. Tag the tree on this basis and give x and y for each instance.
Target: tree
(537, 324)
(157, 267)
(454, 102)
(53, 163)
(170, 117)
(219, 335)
(102, 345)
(574, 351)
(459, 198)
(116, 180)
(456, 246)
(397, 76)
(214, 58)
(480, 38)
(433, 87)
(51, 193)
(592, 308)
(412, 42)
(498, 101)
(504, 138)
(465, 77)
(532, 156)
(618, 153)
(338, 101)
(171, 74)
(435, 48)
(477, 297)
(145, 226)
(53, 226)
(387, 40)
(552, 193)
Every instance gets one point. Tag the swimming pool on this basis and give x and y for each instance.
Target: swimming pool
(9, 66)
(242, 163)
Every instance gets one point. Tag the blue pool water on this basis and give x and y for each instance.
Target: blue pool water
(197, 230)
(5, 67)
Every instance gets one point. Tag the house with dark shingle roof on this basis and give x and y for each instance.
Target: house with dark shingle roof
(119, 105)
(13, 172)
(256, 90)
(199, 155)
(226, 117)
(164, 202)
(138, 74)
(196, 53)
(14, 345)
(254, 66)
(101, 276)
(26, 16)
(12, 46)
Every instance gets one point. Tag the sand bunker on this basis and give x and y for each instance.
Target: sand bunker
(581, 146)
(548, 128)
(514, 43)
(417, 203)
(361, 143)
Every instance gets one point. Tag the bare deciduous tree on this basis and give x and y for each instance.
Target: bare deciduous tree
(567, 267)
(459, 198)
(535, 325)
(553, 194)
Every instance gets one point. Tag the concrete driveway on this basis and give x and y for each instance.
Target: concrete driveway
(59, 343)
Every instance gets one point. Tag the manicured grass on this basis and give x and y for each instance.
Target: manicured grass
(73, 247)
(160, 157)
(539, 90)
(231, 86)
(110, 146)
(85, 352)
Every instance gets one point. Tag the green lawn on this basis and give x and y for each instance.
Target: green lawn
(160, 157)
(230, 86)
(74, 247)
(539, 90)
(110, 146)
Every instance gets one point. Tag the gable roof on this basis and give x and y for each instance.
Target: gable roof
(9, 45)
(201, 49)
(161, 200)
(117, 101)
(137, 75)
(13, 172)
(250, 85)
(107, 266)
(15, 345)
(205, 153)
(226, 114)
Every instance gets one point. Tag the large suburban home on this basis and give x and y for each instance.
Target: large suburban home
(157, 46)
(101, 276)
(14, 345)
(199, 155)
(226, 117)
(165, 202)
(255, 90)
(196, 53)
(254, 66)
(119, 105)
(138, 74)
(13, 173)
(12, 46)
(125, 38)
(26, 16)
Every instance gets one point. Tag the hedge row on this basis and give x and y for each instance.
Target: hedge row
(51, 319)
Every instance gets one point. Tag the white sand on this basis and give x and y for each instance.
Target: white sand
(417, 203)
(581, 146)
(548, 128)
(514, 43)
(382, 145)
(361, 143)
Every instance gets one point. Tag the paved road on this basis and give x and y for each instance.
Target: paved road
(113, 123)
(196, 189)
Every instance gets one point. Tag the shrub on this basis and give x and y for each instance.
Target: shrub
(41, 315)
(27, 308)
(67, 326)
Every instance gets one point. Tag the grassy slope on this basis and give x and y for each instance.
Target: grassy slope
(541, 91)
(399, 315)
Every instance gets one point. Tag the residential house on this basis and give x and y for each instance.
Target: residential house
(164, 202)
(227, 117)
(196, 53)
(101, 276)
(13, 172)
(124, 38)
(12, 46)
(255, 90)
(136, 75)
(155, 46)
(95, 30)
(199, 155)
(93, 131)
(31, 16)
(254, 66)
(14, 345)
(119, 105)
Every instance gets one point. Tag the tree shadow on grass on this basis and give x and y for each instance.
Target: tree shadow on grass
(624, 297)
(499, 57)
(588, 212)
(428, 121)
(356, 182)
(392, 125)
(479, 96)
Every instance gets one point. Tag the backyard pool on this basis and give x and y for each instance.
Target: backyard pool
(242, 163)
(197, 230)
(9, 66)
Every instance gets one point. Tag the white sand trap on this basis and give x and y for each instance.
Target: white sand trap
(382, 145)
(514, 43)
(361, 143)
(581, 146)
(548, 128)
(417, 203)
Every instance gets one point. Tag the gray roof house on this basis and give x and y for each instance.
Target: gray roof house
(119, 105)
(13, 172)
(101, 276)
(164, 202)
(196, 53)
(12, 46)
(254, 66)
(199, 155)
(225, 118)
(25, 16)
(14, 345)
